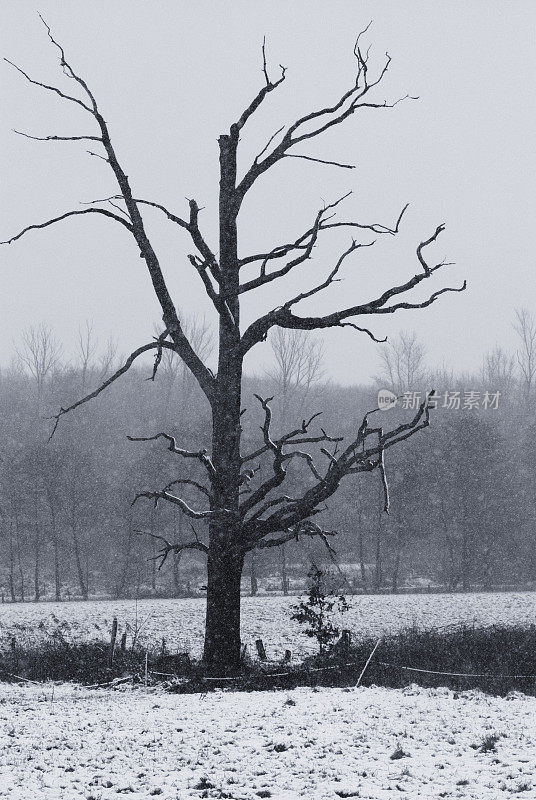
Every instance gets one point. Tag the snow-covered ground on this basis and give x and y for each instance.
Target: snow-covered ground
(315, 745)
(180, 622)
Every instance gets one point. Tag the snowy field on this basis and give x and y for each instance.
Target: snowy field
(180, 622)
(305, 744)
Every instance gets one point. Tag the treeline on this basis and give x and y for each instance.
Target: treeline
(462, 510)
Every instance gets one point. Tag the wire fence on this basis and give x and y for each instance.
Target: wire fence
(404, 667)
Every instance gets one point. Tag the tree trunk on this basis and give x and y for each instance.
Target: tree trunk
(222, 632)
(465, 558)
(153, 556)
(19, 560)
(56, 549)
(123, 578)
(361, 545)
(78, 561)
(378, 572)
(396, 567)
(487, 565)
(177, 558)
(253, 582)
(36, 549)
(452, 570)
(12, 566)
(225, 560)
(284, 577)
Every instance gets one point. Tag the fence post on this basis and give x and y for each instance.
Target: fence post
(260, 649)
(112, 642)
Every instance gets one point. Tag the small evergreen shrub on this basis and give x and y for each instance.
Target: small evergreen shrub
(315, 613)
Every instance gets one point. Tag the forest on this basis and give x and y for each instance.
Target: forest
(462, 511)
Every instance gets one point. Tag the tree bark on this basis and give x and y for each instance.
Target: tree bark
(222, 632)
(284, 576)
(225, 560)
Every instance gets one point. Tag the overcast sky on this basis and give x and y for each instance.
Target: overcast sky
(171, 76)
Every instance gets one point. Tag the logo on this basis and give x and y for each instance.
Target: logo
(386, 399)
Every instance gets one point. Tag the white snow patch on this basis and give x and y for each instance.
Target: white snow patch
(99, 744)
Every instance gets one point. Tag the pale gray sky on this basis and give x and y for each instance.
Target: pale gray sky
(171, 76)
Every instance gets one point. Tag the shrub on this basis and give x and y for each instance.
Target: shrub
(316, 611)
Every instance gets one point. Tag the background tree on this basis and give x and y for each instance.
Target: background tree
(525, 327)
(244, 512)
(40, 353)
(297, 370)
(402, 361)
(498, 372)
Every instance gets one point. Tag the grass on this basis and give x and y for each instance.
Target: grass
(489, 656)
(495, 659)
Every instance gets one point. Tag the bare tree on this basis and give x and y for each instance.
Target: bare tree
(298, 366)
(41, 354)
(525, 327)
(243, 511)
(87, 347)
(498, 371)
(402, 362)
(107, 359)
(177, 377)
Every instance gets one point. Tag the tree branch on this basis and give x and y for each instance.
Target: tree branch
(174, 548)
(266, 89)
(200, 455)
(331, 277)
(182, 504)
(320, 160)
(126, 366)
(278, 252)
(58, 138)
(102, 211)
(276, 447)
(183, 347)
(307, 528)
(358, 456)
(348, 103)
(189, 482)
(283, 317)
(49, 88)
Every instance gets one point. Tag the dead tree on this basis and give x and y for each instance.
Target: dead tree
(241, 510)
